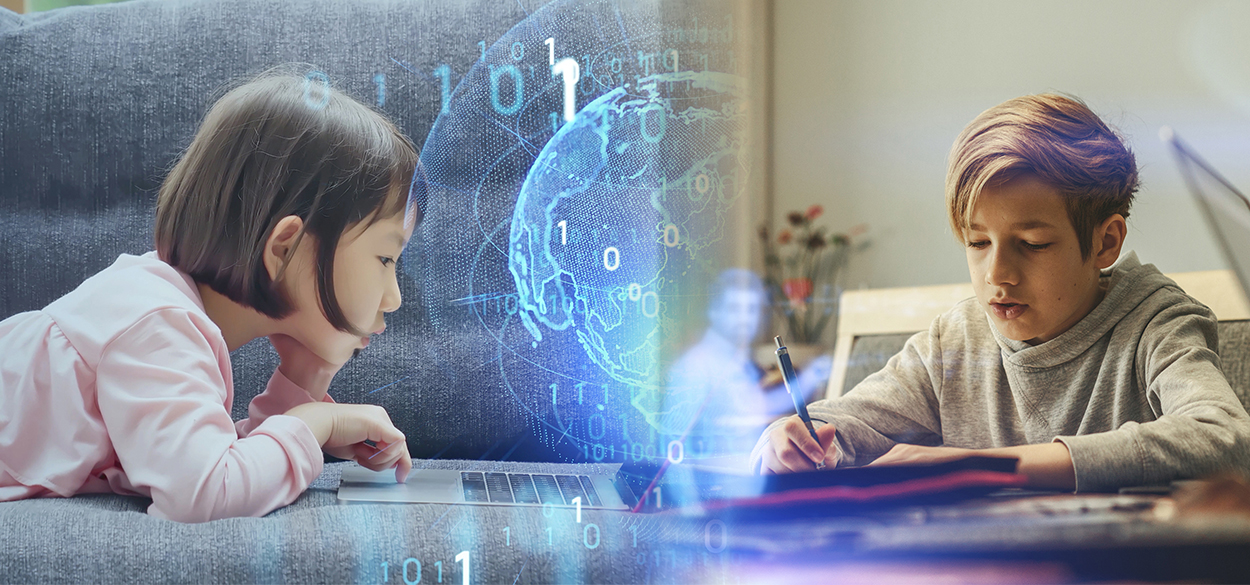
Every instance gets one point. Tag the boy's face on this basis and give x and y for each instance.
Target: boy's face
(1025, 261)
(365, 284)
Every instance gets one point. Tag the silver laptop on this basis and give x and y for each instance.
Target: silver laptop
(489, 488)
(1226, 209)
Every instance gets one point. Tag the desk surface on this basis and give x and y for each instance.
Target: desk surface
(1031, 538)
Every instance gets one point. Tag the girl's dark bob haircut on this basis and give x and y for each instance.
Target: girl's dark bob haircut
(281, 144)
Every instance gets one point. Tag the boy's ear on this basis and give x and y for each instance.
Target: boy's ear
(279, 244)
(1108, 239)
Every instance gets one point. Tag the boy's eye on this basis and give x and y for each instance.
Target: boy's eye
(978, 244)
(1036, 247)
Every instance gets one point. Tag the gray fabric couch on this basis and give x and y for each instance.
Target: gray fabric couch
(96, 104)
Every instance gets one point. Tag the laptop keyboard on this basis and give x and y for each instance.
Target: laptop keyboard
(527, 488)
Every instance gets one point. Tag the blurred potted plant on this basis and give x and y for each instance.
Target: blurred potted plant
(801, 268)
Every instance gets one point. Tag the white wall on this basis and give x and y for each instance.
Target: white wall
(869, 95)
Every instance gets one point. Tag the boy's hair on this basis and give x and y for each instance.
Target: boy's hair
(280, 145)
(1059, 140)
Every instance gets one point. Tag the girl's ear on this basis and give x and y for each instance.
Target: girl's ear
(279, 245)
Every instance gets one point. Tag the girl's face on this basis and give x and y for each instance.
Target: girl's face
(365, 284)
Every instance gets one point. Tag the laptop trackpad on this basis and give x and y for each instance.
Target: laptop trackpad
(423, 485)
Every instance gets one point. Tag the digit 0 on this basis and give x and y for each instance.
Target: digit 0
(611, 258)
(671, 236)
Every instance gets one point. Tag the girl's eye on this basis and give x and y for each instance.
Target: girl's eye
(978, 245)
(1036, 247)
(386, 259)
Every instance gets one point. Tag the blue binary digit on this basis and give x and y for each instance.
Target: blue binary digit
(507, 535)
(634, 528)
(408, 581)
(444, 72)
(518, 95)
(482, 45)
(590, 426)
(386, 575)
(463, 559)
(325, 90)
(518, 51)
(380, 80)
(707, 537)
(439, 564)
(586, 536)
(661, 123)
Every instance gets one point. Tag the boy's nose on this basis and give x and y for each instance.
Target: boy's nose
(1002, 268)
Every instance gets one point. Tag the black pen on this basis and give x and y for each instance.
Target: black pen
(788, 378)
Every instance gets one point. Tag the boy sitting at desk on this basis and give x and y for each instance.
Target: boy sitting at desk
(1096, 371)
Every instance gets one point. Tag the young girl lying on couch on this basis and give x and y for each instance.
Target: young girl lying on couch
(284, 218)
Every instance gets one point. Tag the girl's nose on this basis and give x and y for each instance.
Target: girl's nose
(391, 298)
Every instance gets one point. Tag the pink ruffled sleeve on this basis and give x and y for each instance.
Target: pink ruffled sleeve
(162, 395)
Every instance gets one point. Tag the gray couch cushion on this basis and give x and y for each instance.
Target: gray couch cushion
(110, 538)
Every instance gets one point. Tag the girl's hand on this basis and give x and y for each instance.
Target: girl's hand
(903, 453)
(303, 367)
(342, 429)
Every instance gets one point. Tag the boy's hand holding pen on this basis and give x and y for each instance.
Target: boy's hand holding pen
(797, 445)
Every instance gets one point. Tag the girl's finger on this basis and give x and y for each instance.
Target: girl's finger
(370, 457)
(405, 466)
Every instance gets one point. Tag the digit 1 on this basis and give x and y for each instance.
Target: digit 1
(380, 80)
(564, 232)
(386, 575)
(634, 529)
(439, 564)
(553, 394)
(507, 535)
(549, 543)
(551, 50)
(555, 124)
(463, 557)
(444, 72)
(659, 498)
(578, 502)
(482, 44)
(569, 70)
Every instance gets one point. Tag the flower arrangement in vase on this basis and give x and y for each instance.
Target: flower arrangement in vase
(801, 268)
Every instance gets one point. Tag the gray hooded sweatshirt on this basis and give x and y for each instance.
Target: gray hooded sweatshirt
(1134, 389)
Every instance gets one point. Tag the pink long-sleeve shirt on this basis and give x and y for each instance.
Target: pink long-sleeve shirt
(124, 385)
